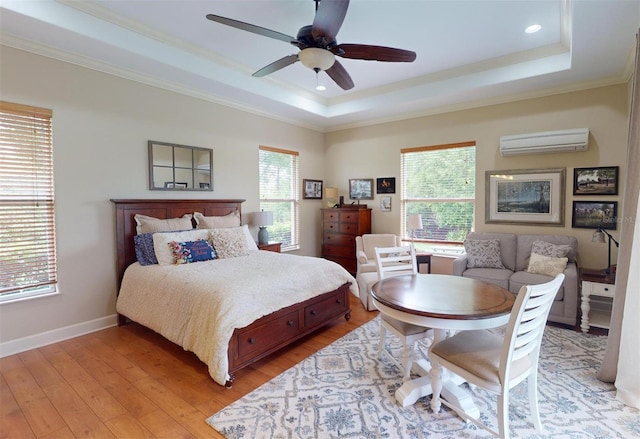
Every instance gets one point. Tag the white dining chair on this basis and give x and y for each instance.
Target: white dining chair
(394, 261)
(495, 362)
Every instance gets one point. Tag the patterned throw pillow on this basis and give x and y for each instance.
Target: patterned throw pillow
(229, 242)
(192, 251)
(540, 264)
(143, 245)
(552, 250)
(483, 253)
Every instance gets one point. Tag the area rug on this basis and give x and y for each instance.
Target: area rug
(344, 390)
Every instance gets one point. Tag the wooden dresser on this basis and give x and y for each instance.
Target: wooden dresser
(340, 226)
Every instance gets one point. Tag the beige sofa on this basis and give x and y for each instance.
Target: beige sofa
(366, 273)
(515, 251)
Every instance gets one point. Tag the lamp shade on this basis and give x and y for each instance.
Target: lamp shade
(316, 58)
(262, 219)
(414, 222)
(331, 192)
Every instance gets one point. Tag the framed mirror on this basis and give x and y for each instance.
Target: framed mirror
(175, 167)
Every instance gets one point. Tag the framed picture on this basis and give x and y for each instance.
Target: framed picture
(312, 189)
(385, 203)
(595, 181)
(361, 188)
(525, 196)
(594, 214)
(386, 185)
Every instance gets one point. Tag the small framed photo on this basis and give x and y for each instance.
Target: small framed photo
(594, 214)
(386, 185)
(595, 181)
(175, 185)
(312, 189)
(361, 188)
(385, 203)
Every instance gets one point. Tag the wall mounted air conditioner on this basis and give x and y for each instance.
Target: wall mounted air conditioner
(546, 142)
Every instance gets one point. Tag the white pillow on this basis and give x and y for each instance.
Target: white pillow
(229, 242)
(540, 264)
(216, 222)
(161, 241)
(251, 244)
(149, 224)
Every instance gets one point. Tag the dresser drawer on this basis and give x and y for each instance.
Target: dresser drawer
(338, 251)
(330, 215)
(338, 239)
(263, 337)
(350, 229)
(331, 227)
(349, 217)
(325, 309)
(598, 289)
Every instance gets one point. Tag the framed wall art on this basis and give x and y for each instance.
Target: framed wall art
(386, 185)
(595, 181)
(312, 189)
(525, 196)
(361, 188)
(594, 214)
(385, 203)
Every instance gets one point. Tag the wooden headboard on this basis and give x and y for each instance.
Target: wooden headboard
(163, 209)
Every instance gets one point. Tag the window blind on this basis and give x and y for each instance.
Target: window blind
(27, 229)
(438, 182)
(279, 194)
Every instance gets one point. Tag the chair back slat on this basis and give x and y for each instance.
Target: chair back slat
(526, 324)
(393, 261)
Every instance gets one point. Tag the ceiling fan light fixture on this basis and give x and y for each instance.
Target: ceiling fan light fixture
(316, 58)
(319, 85)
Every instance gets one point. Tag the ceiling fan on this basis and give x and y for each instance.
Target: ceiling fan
(318, 45)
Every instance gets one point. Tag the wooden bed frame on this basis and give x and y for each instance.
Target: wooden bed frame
(267, 334)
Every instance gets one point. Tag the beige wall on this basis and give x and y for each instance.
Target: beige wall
(102, 124)
(372, 152)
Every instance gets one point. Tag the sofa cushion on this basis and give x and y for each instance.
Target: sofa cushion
(541, 264)
(525, 243)
(522, 278)
(496, 276)
(483, 253)
(507, 246)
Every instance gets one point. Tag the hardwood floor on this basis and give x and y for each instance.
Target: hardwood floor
(129, 382)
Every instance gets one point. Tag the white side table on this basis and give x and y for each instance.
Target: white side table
(593, 285)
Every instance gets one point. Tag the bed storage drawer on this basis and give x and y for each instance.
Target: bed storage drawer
(265, 336)
(326, 308)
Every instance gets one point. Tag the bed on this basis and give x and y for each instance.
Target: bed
(231, 311)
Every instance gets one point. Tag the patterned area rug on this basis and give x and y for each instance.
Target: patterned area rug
(344, 390)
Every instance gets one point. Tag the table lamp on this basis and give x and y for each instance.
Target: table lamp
(262, 220)
(331, 194)
(414, 222)
(598, 236)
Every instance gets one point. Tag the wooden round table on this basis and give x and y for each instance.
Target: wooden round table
(441, 302)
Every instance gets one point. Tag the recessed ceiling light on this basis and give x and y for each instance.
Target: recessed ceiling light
(533, 28)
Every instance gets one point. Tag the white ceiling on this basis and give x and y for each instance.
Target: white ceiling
(469, 53)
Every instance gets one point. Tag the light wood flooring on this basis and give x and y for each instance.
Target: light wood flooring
(129, 382)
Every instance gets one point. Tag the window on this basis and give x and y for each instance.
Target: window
(279, 194)
(438, 183)
(27, 255)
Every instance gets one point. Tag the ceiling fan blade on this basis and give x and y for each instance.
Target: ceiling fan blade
(276, 65)
(253, 28)
(329, 17)
(338, 73)
(373, 53)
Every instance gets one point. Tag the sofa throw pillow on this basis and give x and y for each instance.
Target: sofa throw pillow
(229, 242)
(191, 251)
(483, 253)
(552, 250)
(547, 265)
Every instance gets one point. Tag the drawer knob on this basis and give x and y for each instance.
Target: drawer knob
(606, 289)
(290, 323)
(314, 312)
(252, 340)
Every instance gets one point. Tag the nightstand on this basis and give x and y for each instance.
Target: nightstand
(596, 308)
(270, 247)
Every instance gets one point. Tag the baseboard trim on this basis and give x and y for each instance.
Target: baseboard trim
(35, 341)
